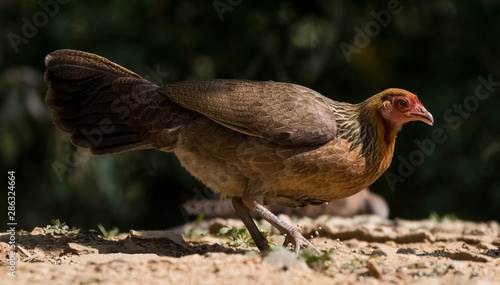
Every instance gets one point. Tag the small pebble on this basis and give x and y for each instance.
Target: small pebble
(374, 270)
(379, 252)
(405, 251)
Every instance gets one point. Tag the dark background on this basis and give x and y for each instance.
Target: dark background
(437, 49)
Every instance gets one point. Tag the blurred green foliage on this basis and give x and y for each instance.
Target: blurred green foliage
(436, 49)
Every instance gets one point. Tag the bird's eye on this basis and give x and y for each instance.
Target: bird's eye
(402, 103)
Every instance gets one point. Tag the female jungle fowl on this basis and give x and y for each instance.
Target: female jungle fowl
(257, 142)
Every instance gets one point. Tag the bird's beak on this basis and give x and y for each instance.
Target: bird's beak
(421, 114)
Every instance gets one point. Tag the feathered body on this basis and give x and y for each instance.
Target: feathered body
(293, 176)
(258, 142)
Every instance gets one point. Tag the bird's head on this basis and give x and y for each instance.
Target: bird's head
(400, 106)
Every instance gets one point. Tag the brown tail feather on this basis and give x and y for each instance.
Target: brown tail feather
(91, 98)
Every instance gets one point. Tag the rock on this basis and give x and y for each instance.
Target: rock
(37, 231)
(81, 249)
(378, 252)
(472, 239)
(4, 248)
(495, 253)
(284, 258)
(419, 236)
(468, 256)
(132, 247)
(40, 252)
(105, 248)
(486, 246)
(158, 237)
(362, 234)
(388, 250)
(374, 270)
(216, 224)
(406, 251)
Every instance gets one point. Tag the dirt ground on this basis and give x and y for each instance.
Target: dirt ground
(362, 249)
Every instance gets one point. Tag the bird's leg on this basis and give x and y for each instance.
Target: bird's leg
(244, 214)
(293, 236)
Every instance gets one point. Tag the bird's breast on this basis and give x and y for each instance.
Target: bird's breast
(317, 175)
(289, 175)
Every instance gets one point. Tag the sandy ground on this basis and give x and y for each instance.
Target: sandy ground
(363, 249)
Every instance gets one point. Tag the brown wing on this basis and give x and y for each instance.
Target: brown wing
(284, 113)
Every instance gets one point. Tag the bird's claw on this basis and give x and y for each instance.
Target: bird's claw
(297, 241)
